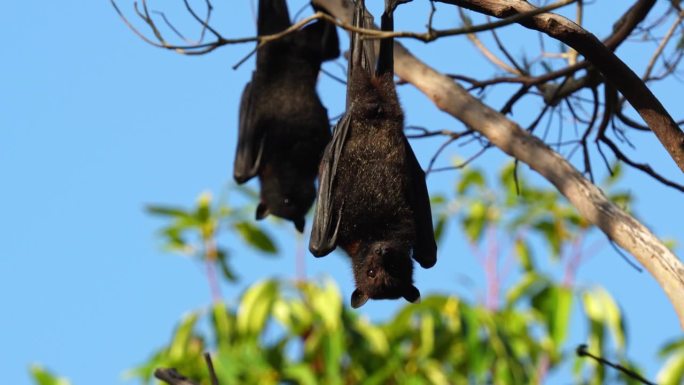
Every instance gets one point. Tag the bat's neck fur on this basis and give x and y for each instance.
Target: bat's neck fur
(375, 101)
(283, 62)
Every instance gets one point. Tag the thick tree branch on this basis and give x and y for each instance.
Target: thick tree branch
(613, 69)
(591, 203)
(171, 377)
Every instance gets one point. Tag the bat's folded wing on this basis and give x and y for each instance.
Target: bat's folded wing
(327, 216)
(250, 145)
(425, 248)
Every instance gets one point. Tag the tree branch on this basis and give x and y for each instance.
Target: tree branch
(591, 203)
(613, 69)
(172, 377)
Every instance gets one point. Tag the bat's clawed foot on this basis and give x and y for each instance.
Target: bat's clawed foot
(391, 5)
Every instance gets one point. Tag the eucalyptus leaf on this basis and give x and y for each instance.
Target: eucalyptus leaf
(255, 237)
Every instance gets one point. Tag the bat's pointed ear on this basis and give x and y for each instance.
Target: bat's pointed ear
(299, 224)
(262, 211)
(412, 294)
(358, 298)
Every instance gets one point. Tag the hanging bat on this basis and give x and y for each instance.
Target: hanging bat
(372, 198)
(283, 127)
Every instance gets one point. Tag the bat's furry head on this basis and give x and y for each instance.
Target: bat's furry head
(383, 270)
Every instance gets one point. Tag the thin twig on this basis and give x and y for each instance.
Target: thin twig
(582, 352)
(210, 366)
(489, 55)
(666, 39)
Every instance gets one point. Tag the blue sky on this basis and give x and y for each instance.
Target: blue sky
(94, 124)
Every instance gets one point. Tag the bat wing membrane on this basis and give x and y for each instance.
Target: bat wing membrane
(328, 213)
(250, 144)
(425, 248)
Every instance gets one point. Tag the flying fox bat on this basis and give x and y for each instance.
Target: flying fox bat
(283, 127)
(372, 198)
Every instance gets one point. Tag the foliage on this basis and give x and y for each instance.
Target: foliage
(515, 206)
(301, 332)
(193, 232)
(284, 332)
(42, 376)
(672, 372)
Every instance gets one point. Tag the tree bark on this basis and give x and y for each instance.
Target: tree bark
(172, 377)
(591, 203)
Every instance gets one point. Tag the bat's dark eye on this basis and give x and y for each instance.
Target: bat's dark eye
(287, 201)
(378, 251)
(371, 273)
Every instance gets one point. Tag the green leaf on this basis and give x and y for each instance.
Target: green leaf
(439, 228)
(437, 199)
(333, 345)
(613, 177)
(174, 239)
(672, 347)
(601, 308)
(552, 234)
(475, 221)
(327, 303)
(562, 314)
(255, 307)
(203, 210)
(670, 244)
(223, 322)
(613, 318)
(555, 304)
(226, 270)
(427, 335)
(530, 283)
(524, 254)
(507, 180)
(167, 211)
(435, 373)
(374, 336)
(469, 179)
(255, 237)
(623, 199)
(300, 373)
(672, 372)
(182, 336)
(42, 376)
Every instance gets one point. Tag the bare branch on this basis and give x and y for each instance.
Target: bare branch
(613, 69)
(666, 39)
(484, 50)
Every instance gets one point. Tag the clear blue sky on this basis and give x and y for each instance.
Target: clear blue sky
(94, 124)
